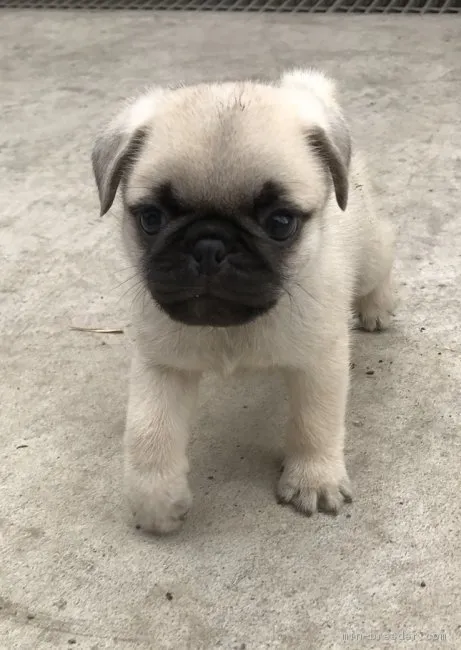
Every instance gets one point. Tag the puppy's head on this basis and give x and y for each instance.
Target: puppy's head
(224, 187)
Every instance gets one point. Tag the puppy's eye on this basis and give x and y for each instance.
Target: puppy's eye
(151, 220)
(280, 225)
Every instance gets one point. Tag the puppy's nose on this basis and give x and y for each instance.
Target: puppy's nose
(209, 254)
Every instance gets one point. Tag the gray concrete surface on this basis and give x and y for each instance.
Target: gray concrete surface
(244, 572)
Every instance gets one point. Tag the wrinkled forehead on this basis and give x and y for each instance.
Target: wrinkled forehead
(227, 157)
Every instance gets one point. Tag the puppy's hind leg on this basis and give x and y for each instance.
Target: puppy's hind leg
(375, 300)
(375, 309)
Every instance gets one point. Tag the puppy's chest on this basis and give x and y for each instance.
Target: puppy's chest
(222, 351)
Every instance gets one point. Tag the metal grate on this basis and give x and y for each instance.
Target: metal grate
(310, 6)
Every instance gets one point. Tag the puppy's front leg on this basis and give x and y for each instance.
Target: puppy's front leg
(160, 408)
(314, 476)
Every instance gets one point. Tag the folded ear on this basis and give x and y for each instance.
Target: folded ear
(333, 159)
(118, 145)
(326, 128)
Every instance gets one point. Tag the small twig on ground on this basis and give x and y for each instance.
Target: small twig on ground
(99, 330)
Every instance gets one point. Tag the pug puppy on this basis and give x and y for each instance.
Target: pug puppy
(249, 222)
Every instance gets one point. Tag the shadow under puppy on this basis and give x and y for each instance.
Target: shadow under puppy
(249, 222)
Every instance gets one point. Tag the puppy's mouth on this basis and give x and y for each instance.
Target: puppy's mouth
(213, 311)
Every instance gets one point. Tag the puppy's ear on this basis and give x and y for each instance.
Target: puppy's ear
(326, 128)
(118, 145)
(334, 161)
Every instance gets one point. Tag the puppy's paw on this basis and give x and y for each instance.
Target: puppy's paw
(375, 309)
(159, 503)
(374, 319)
(312, 486)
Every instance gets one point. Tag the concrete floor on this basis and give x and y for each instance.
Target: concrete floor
(244, 572)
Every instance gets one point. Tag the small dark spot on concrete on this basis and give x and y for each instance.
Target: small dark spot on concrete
(439, 353)
(422, 329)
(169, 595)
(30, 617)
(242, 457)
(18, 388)
(243, 646)
(401, 503)
(103, 343)
(210, 478)
(72, 641)
(245, 406)
(370, 372)
(348, 516)
(422, 583)
(352, 366)
(21, 446)
(380, 361)
(138, 527)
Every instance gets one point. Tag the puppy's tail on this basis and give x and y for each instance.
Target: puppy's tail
(312, 81)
